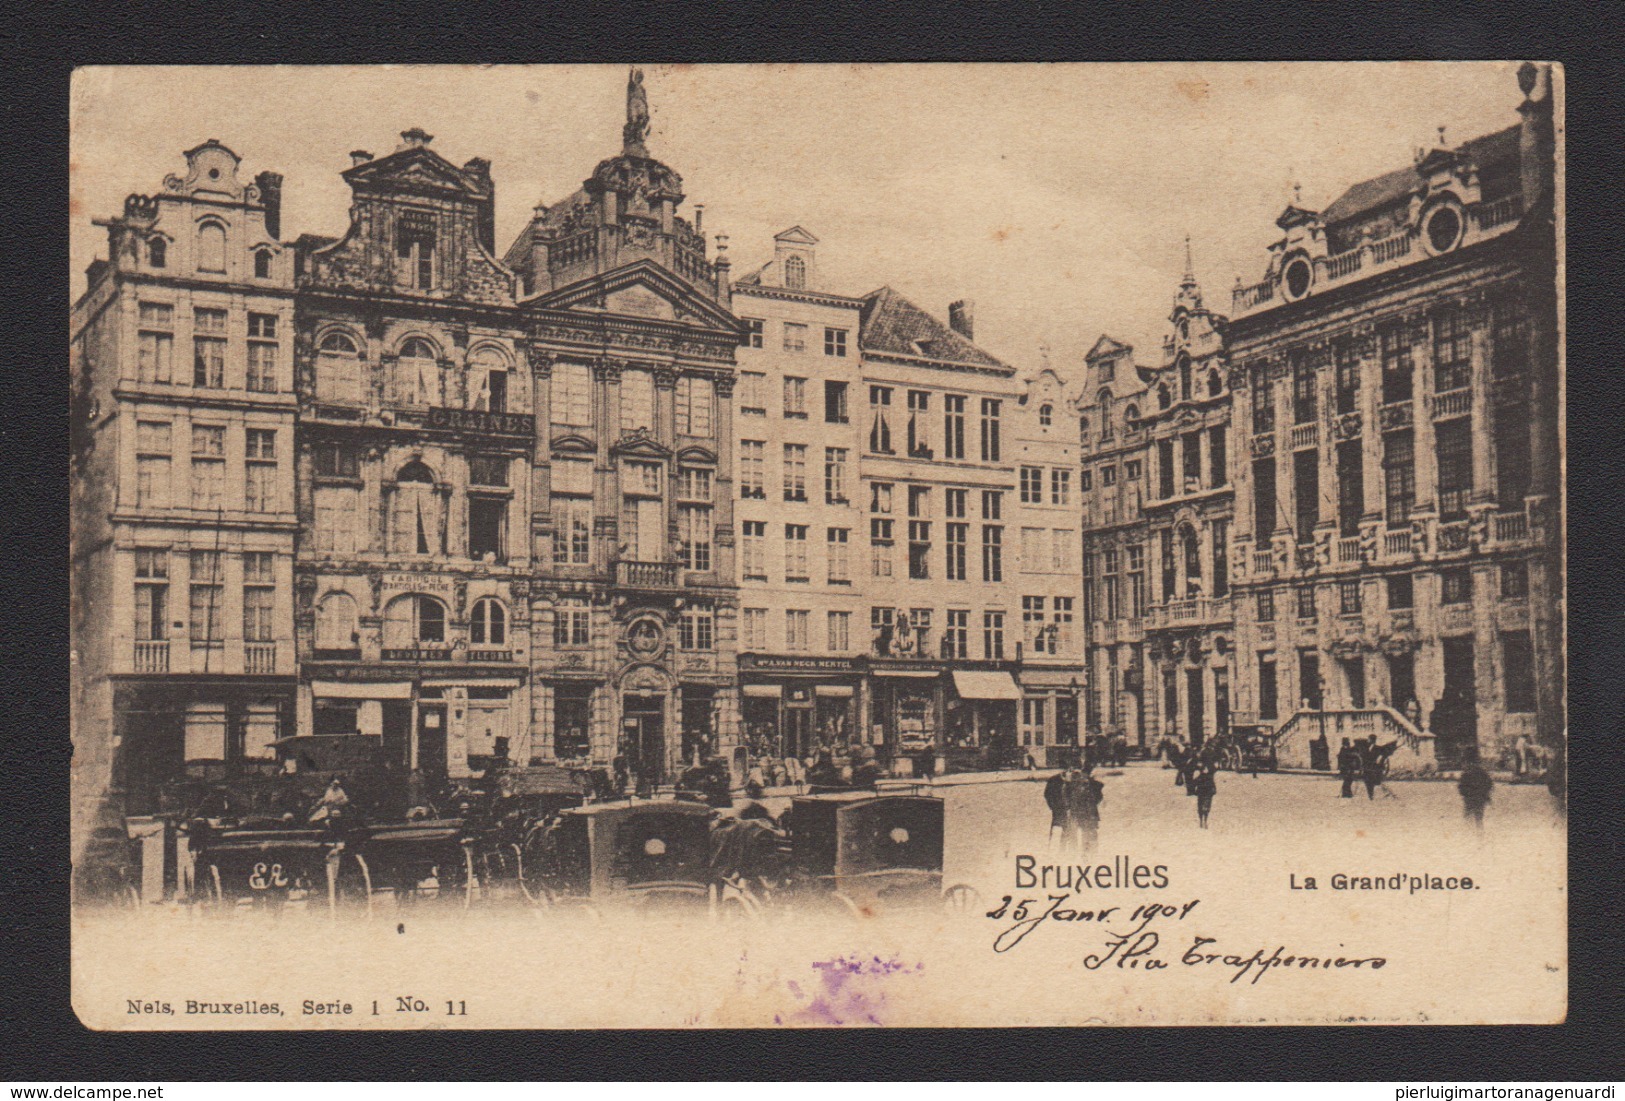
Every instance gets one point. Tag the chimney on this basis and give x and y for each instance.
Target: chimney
(724, 269)
(962, 318)
(699, 219)
(359, 157)
(270, 185)
(415, 138)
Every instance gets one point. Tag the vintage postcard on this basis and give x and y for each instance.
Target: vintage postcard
(802, 546)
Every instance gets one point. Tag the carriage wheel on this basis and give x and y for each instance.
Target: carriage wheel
(961, 899)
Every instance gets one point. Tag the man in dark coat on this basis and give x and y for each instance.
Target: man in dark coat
(1083, 798)
(1349, 767)
(1061, 798)
(823, 772)
(1475, 785)
(1320, 754)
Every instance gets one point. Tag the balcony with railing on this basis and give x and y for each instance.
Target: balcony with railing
(1452, 403)
(1348, 550)
(152, 657)
(259, 658)
(1396, 544)
(646, 575)
(1194, 612)
(1498, 213)
(1511, 527)
(1413, 748)
(1263, 563)
(1305, 435)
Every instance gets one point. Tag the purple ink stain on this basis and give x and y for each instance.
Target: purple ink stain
(851, 990)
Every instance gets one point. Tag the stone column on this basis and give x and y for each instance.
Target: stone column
(1427, 464)
(1483, 435)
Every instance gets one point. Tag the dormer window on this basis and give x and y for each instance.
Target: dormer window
(157, 252)
(211, 247)
(1443, 228)
(1297, 278)
(795, 273)
(262, 264)
(414, 245)
(1046, 414)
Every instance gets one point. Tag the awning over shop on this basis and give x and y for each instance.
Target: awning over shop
(347, 690)
(912, 674)
(763, 691)
(981, 685)
(840, 691)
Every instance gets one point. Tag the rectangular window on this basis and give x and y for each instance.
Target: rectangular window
(489, 470)
(755, 629)
(1346, 366)
(752, 393)
(1263, 402)
(1108, 476)
(993, 636)
(208, 467)
(572, 622)
(992, 504)
(151, 596)
(919, 424)
(1060, 487)
(637, 400)
(1303, 390)
(1306, 492)
(1518, 671)
(795, 472)
(572, 718)
(1454, 440)
(1306, 601)
(1452, 351)
(840, 631)
(1218, 460)
(262, 352)
(696, 628)
(695, 399)
(880, 543)
(1512, 458)
(1397, 369)
(152, 444)
(919, 550)
(1033, 711)
(572, 531)
(1033, 629)
(1110, 584)
(956, 535)
(487, 529)
(795, 336)
(694, 485)
(1060, 546)
(795, 552)
(990, 430)
(753, 470)
(1063, 624)
(260, 470)
(1514, 581)
(206, 598)
(753, 332)
(572, 476)
(208, 362)
(953, 426)
(956, 636)
(1399, 476)
(1032, 485)
(1165, 541)
(1191, 450)
(1348, 597)
(835, 410)
(1509, 355)
(209, 321)
(797, 629)
(795, 397)
(572, 394)
(694, 537)
(338, 527)
(156, 343)
(880, 497)
(835, 342)
(1165, 468)
(259, 602)
(992, 553)
(1401, 592)
(954, 503)
(333, 460)
(880, 420)
(1136, 580)
(919, 502)
(1221, 557)
(1032, 550)
(838, 546)
(1456, 585)
(1266, 605)
(642, 479)
(1350, 487)
(754, 562)
(835, 476)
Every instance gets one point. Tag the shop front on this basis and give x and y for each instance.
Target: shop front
(796, 707)
(981, 727)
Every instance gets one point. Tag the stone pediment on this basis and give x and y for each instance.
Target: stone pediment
(640, 442)
(1105, 347)
(412, 170)
(643, 289)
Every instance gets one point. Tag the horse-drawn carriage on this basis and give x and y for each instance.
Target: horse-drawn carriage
(644, 854)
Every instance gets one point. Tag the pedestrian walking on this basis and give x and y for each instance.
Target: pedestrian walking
(1349, 767)
(1203, 784)
(1475, 786)
(1055, 797)
(1084, 795)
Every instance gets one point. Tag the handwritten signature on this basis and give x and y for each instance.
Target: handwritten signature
(1140, 947)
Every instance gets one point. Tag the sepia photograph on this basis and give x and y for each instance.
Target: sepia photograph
(826, 545)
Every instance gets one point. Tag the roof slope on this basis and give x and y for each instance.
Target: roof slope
(891, 323)
(1487, 152)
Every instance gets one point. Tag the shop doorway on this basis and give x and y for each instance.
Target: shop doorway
(1221, 701)
(1455, 716)
(798, 732)
(432, 739)
(397, 730)
(644, 724)
(1196, 706)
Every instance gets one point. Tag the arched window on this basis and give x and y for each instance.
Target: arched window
(1104, 400)
(417, 374)
(1046, 414)
(1083, 429)
(262, 264)
(415, 518)
(1184, 378)
(488, 381)
(488, 625)
(1164, 398)
(414, 620)
(211, 247)
(336, 622)
(157, 252)
(338, 370)
(1215, 383)
(1131, 413)
(795, 273)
